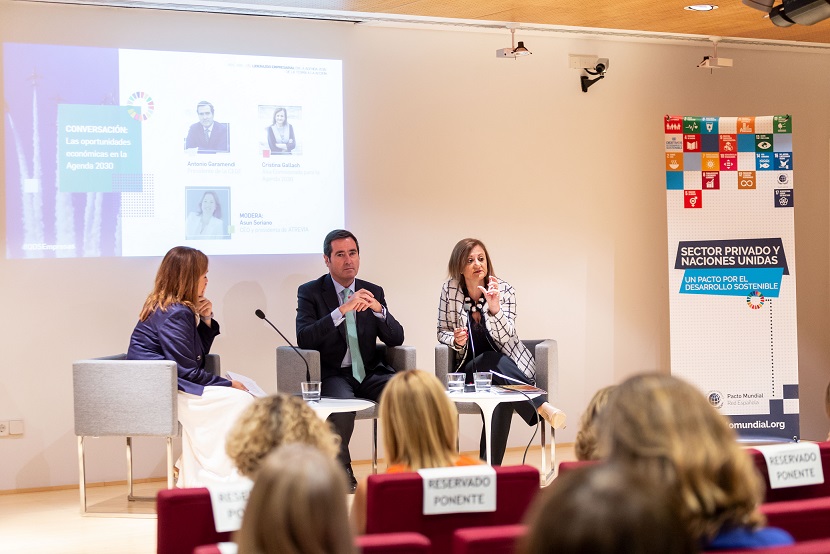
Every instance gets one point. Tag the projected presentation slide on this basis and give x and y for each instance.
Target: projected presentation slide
(113, 152)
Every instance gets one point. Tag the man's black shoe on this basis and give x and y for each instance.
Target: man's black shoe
(351, 482)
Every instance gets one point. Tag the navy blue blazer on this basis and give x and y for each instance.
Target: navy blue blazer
(174, 335)
(219, 139)
(316, 331)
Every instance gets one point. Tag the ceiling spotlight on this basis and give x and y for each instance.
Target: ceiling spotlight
(701, 7)
(515, 50)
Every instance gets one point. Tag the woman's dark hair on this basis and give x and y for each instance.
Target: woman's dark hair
(458, 259)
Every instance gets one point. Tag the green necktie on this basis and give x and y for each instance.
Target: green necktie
(354, 347)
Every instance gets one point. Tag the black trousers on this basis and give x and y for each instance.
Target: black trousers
(344, 385)
(503, 414)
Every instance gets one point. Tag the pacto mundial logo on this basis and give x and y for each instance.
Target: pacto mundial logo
(715, 399)
(143, 101)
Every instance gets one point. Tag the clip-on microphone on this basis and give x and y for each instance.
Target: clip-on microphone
(261, 315)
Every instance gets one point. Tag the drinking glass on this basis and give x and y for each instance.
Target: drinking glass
(455, 382)
(311, 391)
(482, 380)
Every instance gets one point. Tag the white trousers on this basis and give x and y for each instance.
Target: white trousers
(206, 421)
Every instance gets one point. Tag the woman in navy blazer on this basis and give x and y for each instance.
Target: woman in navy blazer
(176, 323)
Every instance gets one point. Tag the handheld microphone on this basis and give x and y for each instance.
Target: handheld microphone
(261, 315)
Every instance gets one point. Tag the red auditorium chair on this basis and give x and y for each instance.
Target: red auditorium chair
(565, 467)
(385, 543)
(185, 521)
(395, 504)
(499, 539)
(805, 520)
(394, 543)
(207, 549)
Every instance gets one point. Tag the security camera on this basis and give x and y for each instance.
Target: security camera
(582, 61)
(602, 65)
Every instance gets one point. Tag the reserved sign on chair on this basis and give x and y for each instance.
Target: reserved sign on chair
(793, 465)
(453, 490)
(228, 501)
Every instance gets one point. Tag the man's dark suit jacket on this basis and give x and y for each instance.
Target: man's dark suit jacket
(219, 141)
(316, 331)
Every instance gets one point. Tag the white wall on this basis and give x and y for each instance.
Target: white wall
(443, 141)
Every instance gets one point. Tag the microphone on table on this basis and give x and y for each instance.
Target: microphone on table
(261, 315)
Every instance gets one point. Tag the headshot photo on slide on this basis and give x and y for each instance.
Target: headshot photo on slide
(207, 212)
(207, 136)
(281, 131)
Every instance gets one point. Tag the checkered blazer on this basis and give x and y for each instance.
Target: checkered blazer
(500, 327)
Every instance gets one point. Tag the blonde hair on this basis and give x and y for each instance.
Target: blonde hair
(420, 423)
(177, 280)
(272, 421)
(664, 428)
(295, 485)
(586, 438)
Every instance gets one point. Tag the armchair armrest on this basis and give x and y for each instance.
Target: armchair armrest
(212, 364)
(546, 354)
(117, 397)
(291, 369)
(401, 358)
(444, 360)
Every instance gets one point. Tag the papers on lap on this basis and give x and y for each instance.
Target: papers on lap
(249, 383)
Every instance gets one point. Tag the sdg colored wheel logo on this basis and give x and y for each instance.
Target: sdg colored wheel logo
(755, 300)
(143, 101)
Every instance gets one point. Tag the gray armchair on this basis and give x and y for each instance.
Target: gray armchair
(291, 372)
(114, 396)
(546, 355)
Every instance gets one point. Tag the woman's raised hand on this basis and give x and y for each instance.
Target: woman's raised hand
(491, 294)
(204, 308)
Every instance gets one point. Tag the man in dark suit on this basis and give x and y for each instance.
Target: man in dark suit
(208, 135)
(338, 315)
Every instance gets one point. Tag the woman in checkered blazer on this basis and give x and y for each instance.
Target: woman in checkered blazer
(476, 318)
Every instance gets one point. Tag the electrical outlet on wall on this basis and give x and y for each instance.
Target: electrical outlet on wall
(4, 428)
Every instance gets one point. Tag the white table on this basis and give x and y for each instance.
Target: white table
(327, 406)
(488, 401)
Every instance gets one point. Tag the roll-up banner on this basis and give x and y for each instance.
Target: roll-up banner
(729, 204)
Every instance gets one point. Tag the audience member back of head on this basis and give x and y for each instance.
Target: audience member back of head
(603, 509)
(273, 421)
(665, 430)
(585, 447)
(297, 506)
